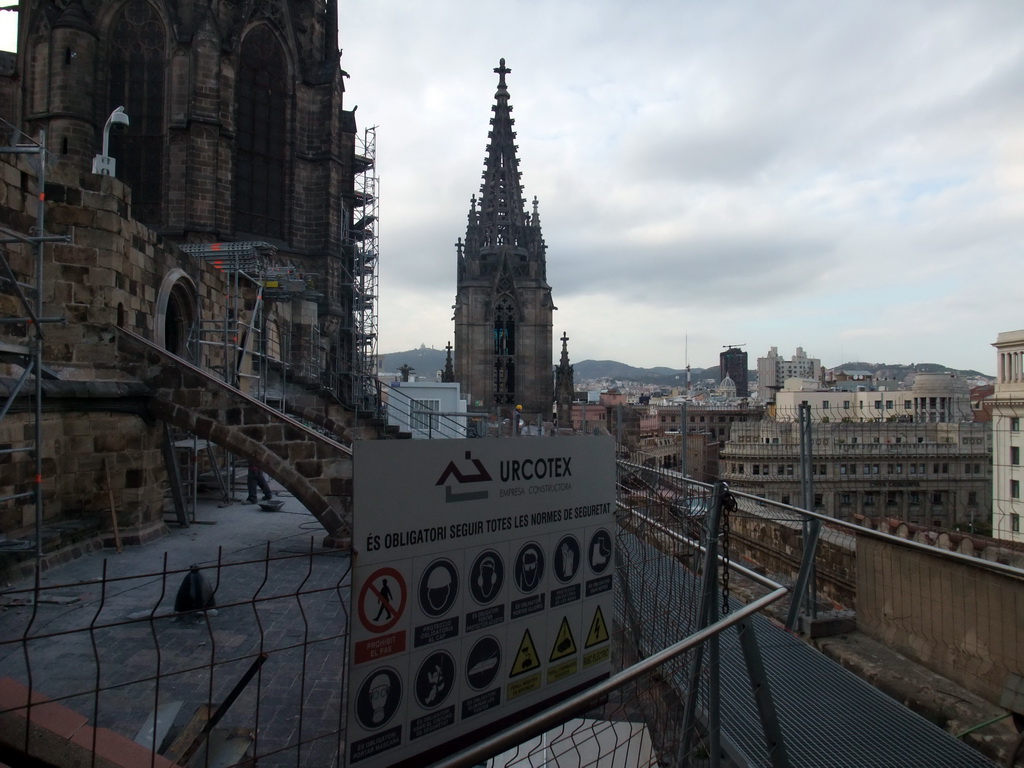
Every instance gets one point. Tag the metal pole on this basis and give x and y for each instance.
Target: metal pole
(683, 433)
(806, 483)
(709, 589)
(38, 344)
(805, 590)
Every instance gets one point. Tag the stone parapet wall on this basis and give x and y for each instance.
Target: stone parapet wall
(79, 448)
(110, 273)
(964, 622)
(777, 548)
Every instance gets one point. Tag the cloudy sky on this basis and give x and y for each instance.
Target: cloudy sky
(845, 177)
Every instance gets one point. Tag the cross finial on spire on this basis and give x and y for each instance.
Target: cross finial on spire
(501, 71)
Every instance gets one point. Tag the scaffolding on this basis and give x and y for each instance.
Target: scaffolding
(229, 340)
(240, 347)
(361, 241)
(28, 356)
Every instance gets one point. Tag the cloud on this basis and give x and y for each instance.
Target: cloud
(792, 173)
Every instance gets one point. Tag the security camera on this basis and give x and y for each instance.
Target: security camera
(118, 117)
(103, 164)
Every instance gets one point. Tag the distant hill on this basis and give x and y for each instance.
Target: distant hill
(427, 362)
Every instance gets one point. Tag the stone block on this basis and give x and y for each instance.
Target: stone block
(112, 441)
(828, 623)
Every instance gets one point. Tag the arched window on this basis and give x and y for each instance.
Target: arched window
(260, 143)
(137, 67)
(176, 315)
(505, 352)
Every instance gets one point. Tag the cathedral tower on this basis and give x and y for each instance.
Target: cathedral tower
(503, 301)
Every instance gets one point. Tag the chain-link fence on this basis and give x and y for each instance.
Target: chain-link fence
(700, 675)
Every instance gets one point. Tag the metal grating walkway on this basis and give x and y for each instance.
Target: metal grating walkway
(829, 716)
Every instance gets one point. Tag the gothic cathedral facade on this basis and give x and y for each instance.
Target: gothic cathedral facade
(237, 131)
(503, 306)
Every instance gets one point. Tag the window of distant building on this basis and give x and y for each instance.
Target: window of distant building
(889, 405)
(819, 500)
(972, 497)
(937, 498)
(423, 414)
(1015, 489)
(1015, 425)
(138, 65)
(1014, 454)
(261, 137)
(1015, 522)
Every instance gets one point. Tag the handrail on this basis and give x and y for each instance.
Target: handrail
(559, 713)
(849, 527)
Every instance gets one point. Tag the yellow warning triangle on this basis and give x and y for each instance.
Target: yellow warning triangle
(565, 644)
(598, 630)
(526, 658)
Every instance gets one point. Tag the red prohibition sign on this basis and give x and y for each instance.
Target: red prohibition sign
(384, 599)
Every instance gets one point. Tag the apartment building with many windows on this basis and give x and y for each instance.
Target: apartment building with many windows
(1007, 405)
(913, 455)
(773, 370)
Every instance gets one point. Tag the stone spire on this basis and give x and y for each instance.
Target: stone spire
(502, 218)
(448, 376)
(564, 386)
(503, 306)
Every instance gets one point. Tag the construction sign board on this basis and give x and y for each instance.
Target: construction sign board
(482, 584)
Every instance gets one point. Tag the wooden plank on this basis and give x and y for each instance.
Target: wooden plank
(183, 744)
(113, 511)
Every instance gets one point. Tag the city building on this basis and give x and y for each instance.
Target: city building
(916, 456)
(427, 409)
(732, 364)
(935, 397)
(503, 306)
(1007, 406)
(773, 370)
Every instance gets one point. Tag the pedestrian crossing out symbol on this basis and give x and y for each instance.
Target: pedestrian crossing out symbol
(526, 658)
(382, 600)
(598, 630)
(565, 644)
